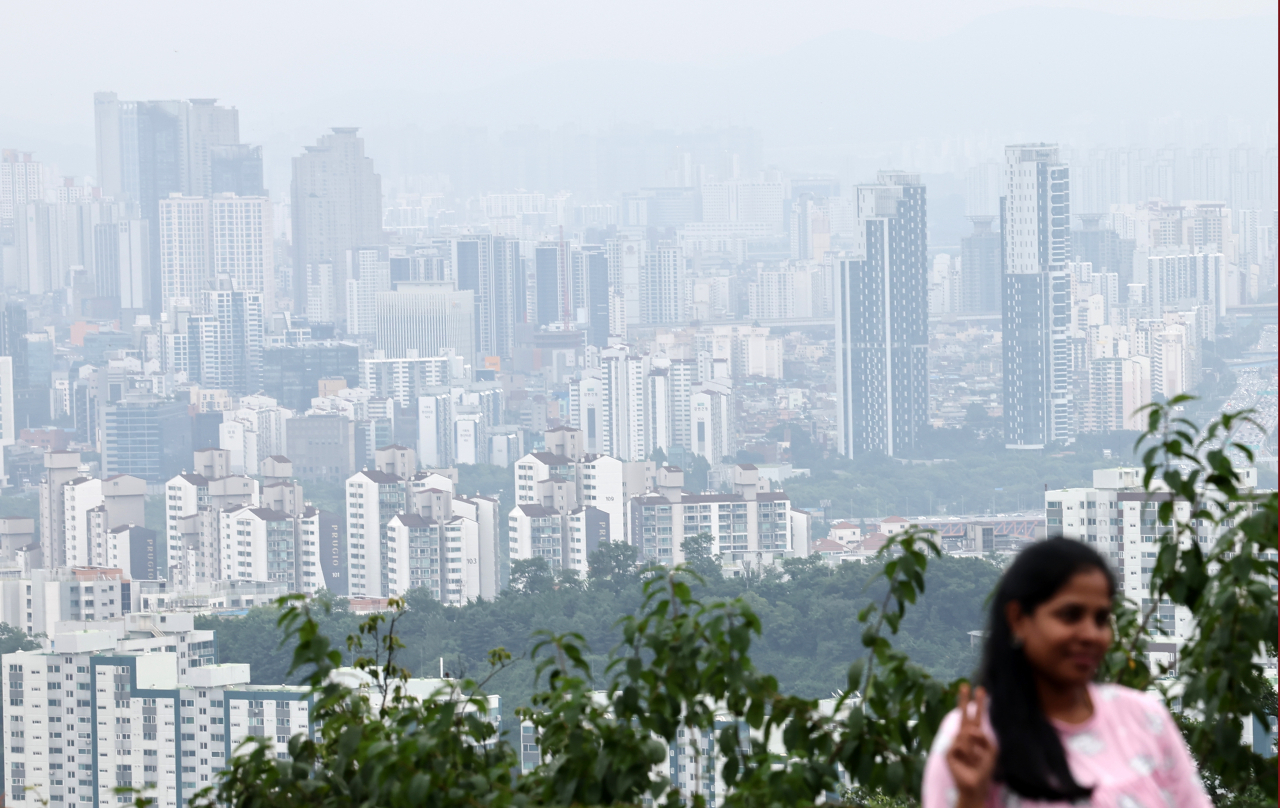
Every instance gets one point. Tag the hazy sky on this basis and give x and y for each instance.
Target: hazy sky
(293, 67)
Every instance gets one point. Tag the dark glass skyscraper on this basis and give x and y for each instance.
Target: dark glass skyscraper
(148, 150)
(237, 169)
(980, 264)
(883, 340)
(597, 296)
(490, 267)
(546, 269)
(1104, 249)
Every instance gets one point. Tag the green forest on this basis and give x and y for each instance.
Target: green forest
(810, 628)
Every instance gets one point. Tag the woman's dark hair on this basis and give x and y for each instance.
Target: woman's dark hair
(1031, 759)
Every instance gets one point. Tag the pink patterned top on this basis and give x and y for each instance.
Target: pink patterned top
(1130, 751)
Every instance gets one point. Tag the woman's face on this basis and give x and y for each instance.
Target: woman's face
(1066, 637)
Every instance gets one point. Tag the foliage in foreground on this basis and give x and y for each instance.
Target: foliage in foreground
(685, 665)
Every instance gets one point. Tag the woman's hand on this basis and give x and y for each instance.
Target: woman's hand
(972, 756)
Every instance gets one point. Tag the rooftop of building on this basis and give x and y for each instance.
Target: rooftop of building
(379, 477)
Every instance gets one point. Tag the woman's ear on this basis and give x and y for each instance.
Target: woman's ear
(1016, 619)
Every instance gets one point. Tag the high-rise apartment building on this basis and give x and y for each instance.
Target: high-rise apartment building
(60, 468)
(184, 248)
(408, 529)
(751, 526)
(241, 243)
(662, 286)
(225, 343)
(337, 206)
(883, 340)
(21, 181)
(1036, 228)
(149, 733)
(1120, 519)
(205, 239)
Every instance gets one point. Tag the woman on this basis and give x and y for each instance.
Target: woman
(1050, 736)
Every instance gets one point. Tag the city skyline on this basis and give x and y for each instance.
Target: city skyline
(486, 314)
(283, 129)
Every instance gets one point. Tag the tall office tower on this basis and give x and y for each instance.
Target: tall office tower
(21, 181)
(882, 364)
(122, 258)
(511, 288)
(148, 437)
(596, 266)
(226, 340)
(237, 169)
(980, 277)
(473, 269)
(1035, 221)
(489, 266)
(426, 319)
(662, 286)
(547, 269)
(148, 150)
(337, 206)
(209, 126)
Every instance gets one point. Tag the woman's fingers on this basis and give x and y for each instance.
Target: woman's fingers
(981, 707)
(963, 704)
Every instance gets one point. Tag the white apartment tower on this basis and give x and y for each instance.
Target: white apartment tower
(1036, 228)
(202, 239)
